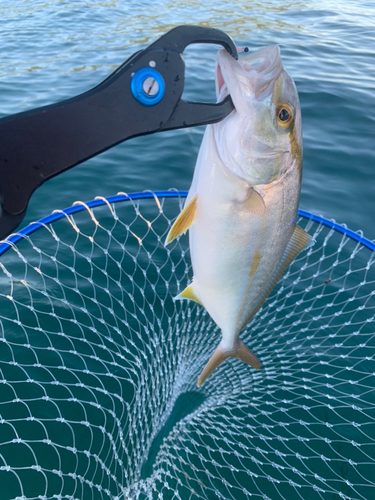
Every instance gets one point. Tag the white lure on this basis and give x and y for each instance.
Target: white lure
(243, 202)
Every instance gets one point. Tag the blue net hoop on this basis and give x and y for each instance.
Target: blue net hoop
(34, 226)
(98, 366)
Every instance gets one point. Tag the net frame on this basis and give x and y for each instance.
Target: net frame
(121, 197)
(189, 460)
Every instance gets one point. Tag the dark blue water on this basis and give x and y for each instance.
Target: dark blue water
(52, 50)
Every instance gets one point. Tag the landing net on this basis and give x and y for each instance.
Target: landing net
(98, 367)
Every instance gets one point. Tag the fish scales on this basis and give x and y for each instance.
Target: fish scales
(242, 206)
(229, 297)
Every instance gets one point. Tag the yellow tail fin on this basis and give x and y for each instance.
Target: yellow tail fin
(241, 352)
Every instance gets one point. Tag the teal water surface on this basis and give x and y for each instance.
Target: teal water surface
(52, 50)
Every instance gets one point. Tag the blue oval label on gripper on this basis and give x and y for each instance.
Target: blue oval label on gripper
(136, 86)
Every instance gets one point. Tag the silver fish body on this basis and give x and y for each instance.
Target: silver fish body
(242, 207)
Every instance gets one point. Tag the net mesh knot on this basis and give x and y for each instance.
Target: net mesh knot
(98, 369)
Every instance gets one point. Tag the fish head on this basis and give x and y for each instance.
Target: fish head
(262, 138)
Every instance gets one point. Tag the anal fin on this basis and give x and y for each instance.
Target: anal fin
(190, 294)
(183, 221)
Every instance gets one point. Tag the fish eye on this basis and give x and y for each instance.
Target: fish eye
(284, 114)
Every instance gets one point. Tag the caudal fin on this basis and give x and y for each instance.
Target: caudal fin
(241, 352)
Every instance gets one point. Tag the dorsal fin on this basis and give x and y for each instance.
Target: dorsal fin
(298, 242)
(183, 221)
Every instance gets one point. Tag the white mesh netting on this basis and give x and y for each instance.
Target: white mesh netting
(98, 370)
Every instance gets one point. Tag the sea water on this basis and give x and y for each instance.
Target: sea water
(52, 50)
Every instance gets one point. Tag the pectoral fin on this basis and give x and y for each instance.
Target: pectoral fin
(241, 352)
(255, 203)
(183, 221)
(190, 294)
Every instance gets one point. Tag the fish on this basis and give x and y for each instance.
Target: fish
(242, 207)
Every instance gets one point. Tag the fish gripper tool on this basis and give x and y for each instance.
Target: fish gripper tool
(140, 97)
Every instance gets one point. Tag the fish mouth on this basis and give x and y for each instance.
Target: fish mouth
(252, 76)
